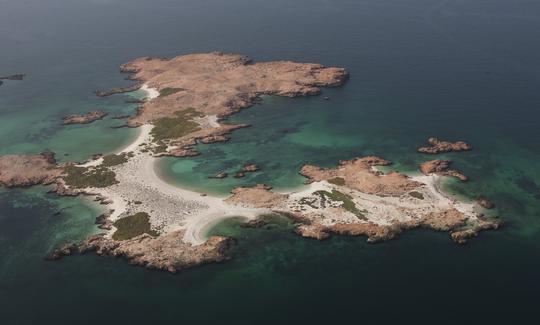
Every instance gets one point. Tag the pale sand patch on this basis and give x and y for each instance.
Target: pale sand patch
(380, 210)
(207, 121)
(140, 189)
(170, 207)
(151, 93)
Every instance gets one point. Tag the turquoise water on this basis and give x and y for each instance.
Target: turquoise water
(454, 69)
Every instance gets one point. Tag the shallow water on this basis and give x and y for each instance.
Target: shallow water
(454, 69)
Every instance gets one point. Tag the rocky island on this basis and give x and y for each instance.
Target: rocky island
(160, 226)
(436, 146)
(84, 119)
(11, 77)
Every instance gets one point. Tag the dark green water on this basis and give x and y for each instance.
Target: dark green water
(454, 69)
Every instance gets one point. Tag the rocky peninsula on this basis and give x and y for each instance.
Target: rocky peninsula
(160, 226)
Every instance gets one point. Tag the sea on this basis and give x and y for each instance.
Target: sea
(455, 69)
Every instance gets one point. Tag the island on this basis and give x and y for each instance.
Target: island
(11, 77)
(85, 118)
(160, 226)
(436, 146)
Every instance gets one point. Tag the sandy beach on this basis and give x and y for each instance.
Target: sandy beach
(172, 208)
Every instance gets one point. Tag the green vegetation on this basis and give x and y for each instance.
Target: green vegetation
(337, 181)
(132, 226)
(114, 160)
(169, 91)
(160, 147)
(416, 195)
(175, 127)
(347, 202)
(81, 177)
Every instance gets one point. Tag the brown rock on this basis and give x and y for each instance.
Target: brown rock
(312, 231)
(250, 168)
(484, 202)
(118, 90)
(461, 236)
(167, 252)
(28, 170)
(84, 119)
(359, 175)
(374, 233)
(441, 167)
(444, 221)
(437, 146)
(259, 196)
(201, 77)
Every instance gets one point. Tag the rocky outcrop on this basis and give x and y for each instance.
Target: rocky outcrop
(437, 146)
(85, 118)
(60, 188)
(441, 167)
(220, 175)
(451, 221)
(104, 222)
(373, 232)
(359, 175)
(259, 196)
(167, 252)
(201, 77)
(248, 168)
(118, 90)
(28, 170)
(184, 147)
(461, 236)
(448, 220)
(484, 202)
(13, 77)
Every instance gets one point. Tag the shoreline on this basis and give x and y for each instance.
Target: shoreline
(211, 209)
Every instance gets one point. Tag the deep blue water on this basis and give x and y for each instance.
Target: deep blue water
(453, 69)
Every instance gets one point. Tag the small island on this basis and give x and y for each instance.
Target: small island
(154, 224)
(436, 146)
(85, 118)
(11, 77)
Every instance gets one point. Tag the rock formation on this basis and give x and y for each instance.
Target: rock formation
(84, 119)
(259, 196)
(28, 170)
(358, 174)
(437, 146)
(441, 167)
(13, 77)
(484, 202)
(118, 90)
(200, 78)
(248, 168)
(167, 252)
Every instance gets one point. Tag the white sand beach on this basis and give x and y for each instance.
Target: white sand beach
(140, 189)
